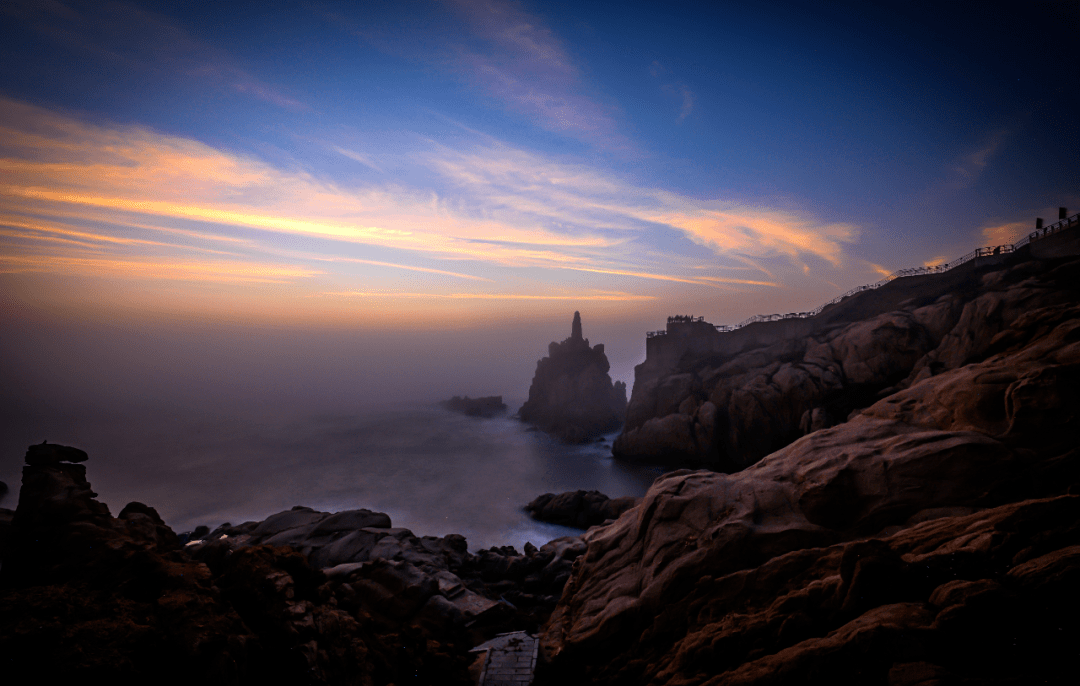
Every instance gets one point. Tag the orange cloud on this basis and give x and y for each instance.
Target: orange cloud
(757, 230)
(225, 272)
(488, 296)
(1003, 234)
(126, 201)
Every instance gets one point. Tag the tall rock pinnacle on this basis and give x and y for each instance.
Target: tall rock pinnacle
(572, 395)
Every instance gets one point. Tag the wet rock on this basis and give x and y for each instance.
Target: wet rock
(580, 509)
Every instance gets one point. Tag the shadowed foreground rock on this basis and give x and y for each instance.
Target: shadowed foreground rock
(303, 597)
(932, 538)
(572, 396)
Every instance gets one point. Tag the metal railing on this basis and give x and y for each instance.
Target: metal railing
(990, 251)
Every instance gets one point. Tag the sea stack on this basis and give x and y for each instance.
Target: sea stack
(572, 395)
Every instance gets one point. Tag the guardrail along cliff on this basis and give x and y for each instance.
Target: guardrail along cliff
(689, 334)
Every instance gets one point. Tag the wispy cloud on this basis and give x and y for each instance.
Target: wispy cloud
(147, 269)
(517, 60)
(490, 212)
(676, 88)
(136, 39)
(967, 169)
(357, 157)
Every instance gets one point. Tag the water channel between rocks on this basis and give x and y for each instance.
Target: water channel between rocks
(432, 471)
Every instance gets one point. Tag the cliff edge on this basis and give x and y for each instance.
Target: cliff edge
(724, 400)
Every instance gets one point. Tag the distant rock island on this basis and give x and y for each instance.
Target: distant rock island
(476, 407)
(572, 396)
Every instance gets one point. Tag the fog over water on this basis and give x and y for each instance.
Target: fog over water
(210, 426)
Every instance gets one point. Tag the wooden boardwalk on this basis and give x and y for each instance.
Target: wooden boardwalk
(510, 661)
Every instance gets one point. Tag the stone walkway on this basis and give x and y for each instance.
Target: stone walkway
(511, 659)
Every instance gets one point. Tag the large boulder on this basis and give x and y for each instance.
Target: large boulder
(580, 509)
(572, 395)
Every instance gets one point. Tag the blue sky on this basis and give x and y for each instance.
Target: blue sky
(342, 165)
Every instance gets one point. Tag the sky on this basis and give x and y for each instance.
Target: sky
(316, 201)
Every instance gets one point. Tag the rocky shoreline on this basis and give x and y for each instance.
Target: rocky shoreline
(928, 534)
(301, 597)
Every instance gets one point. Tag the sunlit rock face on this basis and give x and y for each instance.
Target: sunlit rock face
(572, 395)
(932, 537)
(772, 382)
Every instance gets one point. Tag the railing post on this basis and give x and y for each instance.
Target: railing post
(1038, 223)
(1062, 212)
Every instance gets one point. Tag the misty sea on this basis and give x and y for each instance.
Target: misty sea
(433, 471)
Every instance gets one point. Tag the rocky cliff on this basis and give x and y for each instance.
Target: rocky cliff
(928, 536)
(755, 390)
(572, 395)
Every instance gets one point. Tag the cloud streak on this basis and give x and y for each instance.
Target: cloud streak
(518, 61)
(138, 40)
(488, 213)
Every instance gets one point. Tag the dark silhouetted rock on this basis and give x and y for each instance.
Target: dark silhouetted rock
(490, 406)
(572, 395)
(46, 453)
(580, 509)
(83, 594)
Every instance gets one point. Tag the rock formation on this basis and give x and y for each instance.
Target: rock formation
(303, 597)
(489, 406)
(766, 385)
(579, 509)
(932, 537)
(572, 395)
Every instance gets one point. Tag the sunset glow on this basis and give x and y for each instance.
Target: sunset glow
(500, 154)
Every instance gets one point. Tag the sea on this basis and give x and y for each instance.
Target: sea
(433, 471)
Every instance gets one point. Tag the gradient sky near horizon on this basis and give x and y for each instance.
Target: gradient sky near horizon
(459, 165)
